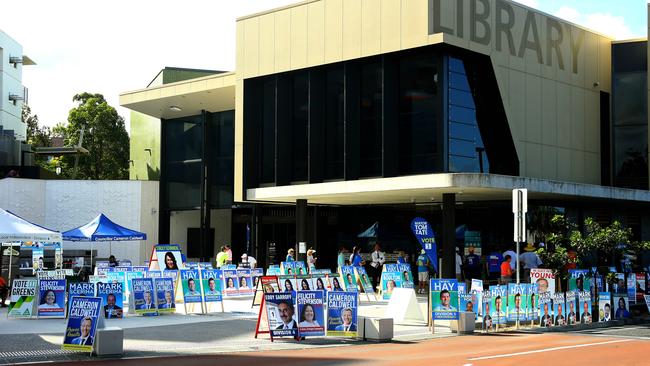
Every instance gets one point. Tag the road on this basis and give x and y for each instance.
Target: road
(609, 346)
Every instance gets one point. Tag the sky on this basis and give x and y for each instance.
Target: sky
(110, 47)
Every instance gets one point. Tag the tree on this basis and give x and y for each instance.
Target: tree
(105, 138)
(37, 136)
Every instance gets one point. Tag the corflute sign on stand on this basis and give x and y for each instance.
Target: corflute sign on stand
(342, 313)
(444, 299)
(23, 296)
(51, 299)
(426, 237)
(82, 323)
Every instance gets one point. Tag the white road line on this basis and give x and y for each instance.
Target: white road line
(548, 350)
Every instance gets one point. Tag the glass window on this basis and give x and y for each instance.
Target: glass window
(334, 123)
(418, 89)
(183, 141)
(300, 140)
(267, 150)
(221, 150)
(371, 119)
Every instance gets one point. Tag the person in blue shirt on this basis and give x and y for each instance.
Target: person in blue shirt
(401, 257)
(290, 255)
(423, 271)
(472, 265)
(355, 257)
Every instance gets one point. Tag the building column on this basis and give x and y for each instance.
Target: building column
(301, 227)
(448, 235)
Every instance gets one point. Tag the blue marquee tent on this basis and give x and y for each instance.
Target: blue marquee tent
(101, 228)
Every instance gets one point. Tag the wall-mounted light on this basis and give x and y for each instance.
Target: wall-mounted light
(148, 149)
(15, 97)
(175, 108)
(15, 60)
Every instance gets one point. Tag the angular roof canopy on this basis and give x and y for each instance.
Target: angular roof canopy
(14, 228)
(101, 228)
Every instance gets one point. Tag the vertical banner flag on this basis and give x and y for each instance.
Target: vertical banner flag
(281, 314)
(559, 308)
(517, 301)
(112, 294)
(165, 295)
(584, 304)
(545, 309)
(444, 299)
(143, 296)
(211, 284)
(82, 323)
(342, 313)
(81, 289)
(604, 306)
(499, 295)
(311, 314)
(191, 291)
(23, 296)
(51, 299)
(426, 237)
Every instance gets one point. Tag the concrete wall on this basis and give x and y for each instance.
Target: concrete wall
(145, 134)
(220, 220)
(66, 204)
(11, 83)
(546, 75)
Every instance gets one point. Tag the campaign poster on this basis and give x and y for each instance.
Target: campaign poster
(81, 289)
(256, 273)
(304, 283)
(140, 269)
(311, 313)
(165, 299)
(144, 296)
(38, 259)
(444, 299)
(579, 280)
(125, 263)
(211, 284)
(123, 268)
(245, 282)
(348, 276)
(466, 302)
(544, 279)
(517, 302)
(362, 278)
(288, 268)
(82, 323)
(335, 282)
(584, 303)
(532, 310)
(427, 239)
(171, 274)
(101, 267)
(462, 288)
(23, 297)
(559, 308)
(499, 303)
(130, 275)
(300, 267)
(640, 287)
(389, 281)
(619, 285)
(604, 307)
(545, 301)
(112, 295)
(486, 310)
(477, 287)
(281, 314)
(342, 313)
(116, 277)
(390, 267)
(647, 301)
(621, 306)
(321, 282)
(407, 276)
(191, 289)
(153, 274)
(572, 308)
(231, 283)
(205, 265)
(97, 279)
(631, 288)
(51, 302)
(168, 257)
(273, 270)
(321, 271)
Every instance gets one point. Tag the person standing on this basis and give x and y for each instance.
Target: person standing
(513, 257)
(290, 255)
(340, 261)
(355, 257)
(311, 260)
(229, 253)
(506, 270)
(459, 268)
(472, 265)
(377, 259)
(222, 257)
(529, 259)
(423, 272)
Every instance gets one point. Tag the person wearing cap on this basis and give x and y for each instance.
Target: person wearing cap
(530, 259)
(248, 261)
(290, 257)
(311, 260)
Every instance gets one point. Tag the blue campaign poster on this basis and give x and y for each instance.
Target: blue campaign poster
(130, 275)
(165, 299)
(311, 313)
(517, 301)
(444, 299)
(499, 303)
(572, 315)
(81, 289)
(51, 299)
(389, 281)
(342, 308)
(245, 282)
(82, 323)
(281, 313)
(231, 283)
(117, 277)
(407, 276)
(347, 273)
(273, 271)
(211, 282)
(487, 313)
(256, 273)
(545, 305)
(584, 307)
(144, 296)
(191, 287)
(300, 267)
(112, 295)
(533, 299)
(427, 239)
(559, 308)
(288, 268)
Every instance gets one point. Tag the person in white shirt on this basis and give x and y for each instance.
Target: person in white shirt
(247, 259)
(377, 260)
(459, 262)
